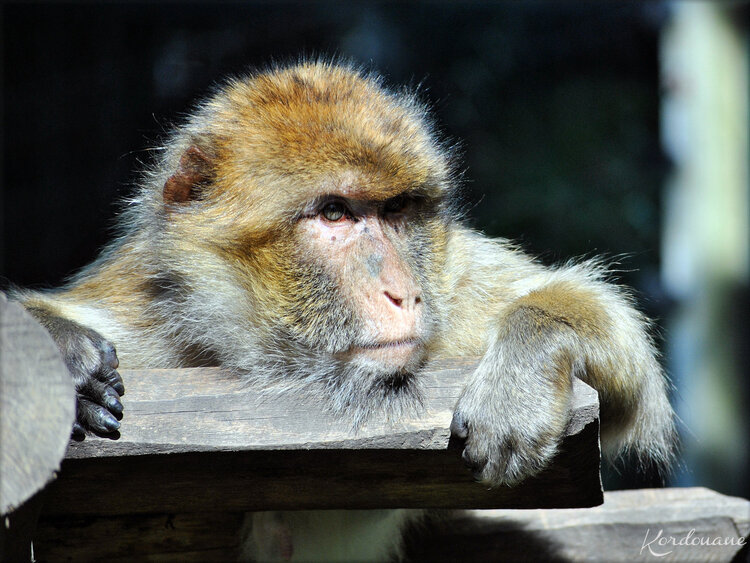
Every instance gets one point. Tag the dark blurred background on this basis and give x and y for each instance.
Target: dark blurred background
(559, 109)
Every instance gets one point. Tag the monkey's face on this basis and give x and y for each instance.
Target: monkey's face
(348, 296)
(364, 297)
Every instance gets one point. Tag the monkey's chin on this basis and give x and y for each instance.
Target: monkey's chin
(399, 355)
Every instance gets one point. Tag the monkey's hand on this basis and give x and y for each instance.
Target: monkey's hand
(92, 363)
(513, 412)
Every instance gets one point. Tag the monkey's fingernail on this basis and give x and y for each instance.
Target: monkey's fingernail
(112, 424)
(119, 387)
(114, 405)
(107, 422)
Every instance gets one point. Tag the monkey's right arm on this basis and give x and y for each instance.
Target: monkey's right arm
(545, 326)
(92, 363)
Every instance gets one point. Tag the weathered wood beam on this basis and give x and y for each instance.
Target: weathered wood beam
(200, 439)
(37, 406)
(677, 524)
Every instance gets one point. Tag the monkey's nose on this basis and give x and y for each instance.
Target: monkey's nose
(395, 300)
(402, 303)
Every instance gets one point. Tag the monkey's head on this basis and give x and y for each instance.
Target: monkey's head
(303, 215)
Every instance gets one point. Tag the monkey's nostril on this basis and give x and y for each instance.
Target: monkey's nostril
(395, 300)
(417, 301)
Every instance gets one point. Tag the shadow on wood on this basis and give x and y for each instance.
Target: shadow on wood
(636, 525)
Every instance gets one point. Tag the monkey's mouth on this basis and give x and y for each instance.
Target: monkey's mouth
(392, 344)
(396, 353)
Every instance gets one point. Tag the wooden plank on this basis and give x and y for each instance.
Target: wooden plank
(197, 439)
(637, 525)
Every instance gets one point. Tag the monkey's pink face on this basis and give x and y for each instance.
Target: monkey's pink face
(365, 247)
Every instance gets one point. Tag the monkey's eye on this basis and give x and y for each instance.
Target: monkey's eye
(395, 204)
(333, 211)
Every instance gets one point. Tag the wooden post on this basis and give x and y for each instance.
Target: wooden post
(36, 413)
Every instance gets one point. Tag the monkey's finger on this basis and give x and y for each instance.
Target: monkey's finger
(108, 373)
(97, 418)
(78, 432)
(103, 395)
(118, 385)
(112, 378)
(459, 427)
(108, 354)
(112, 401)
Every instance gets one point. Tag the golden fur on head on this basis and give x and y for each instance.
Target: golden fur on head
(273, 143)
(306, 128)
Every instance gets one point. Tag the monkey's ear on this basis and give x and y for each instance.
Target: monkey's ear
(193, 171)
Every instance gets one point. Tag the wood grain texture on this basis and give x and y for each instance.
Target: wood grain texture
(37, 406)
(196, 440)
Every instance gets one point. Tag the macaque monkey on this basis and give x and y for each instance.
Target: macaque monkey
(300, 229)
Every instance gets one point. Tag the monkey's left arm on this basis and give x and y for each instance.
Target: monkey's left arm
(551, 325)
